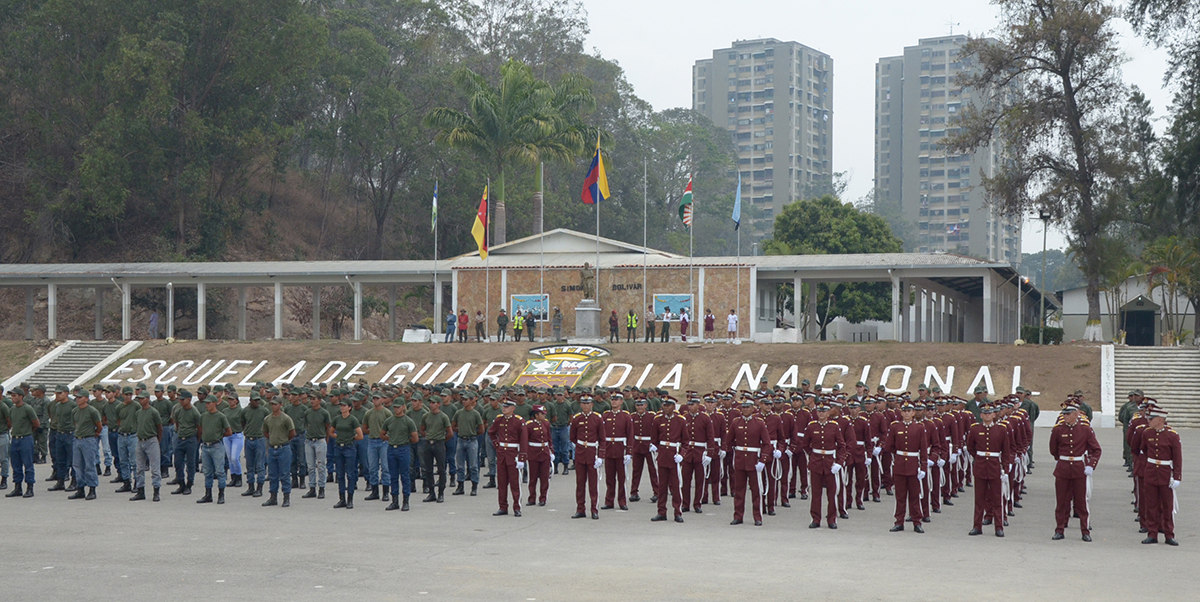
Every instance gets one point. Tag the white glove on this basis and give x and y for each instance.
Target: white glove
(868, 462)
(722, 454)
(599, 463)
(1087, 470)
(551, 459)
(836, 468)
(653, 448)
(929, 463)
(628, 459)
(678, 458)
(1174, 484)
(788, 452)
(954, 457)
(520, 465)
(920, 475)
(941, 462)
(706, 460)
(777, 454)
(759, 466)
(876, 451)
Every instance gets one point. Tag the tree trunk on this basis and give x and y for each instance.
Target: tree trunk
(1094, 330)
(498, 233)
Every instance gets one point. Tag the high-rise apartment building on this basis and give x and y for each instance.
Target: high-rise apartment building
(776, 99)
(917, 98)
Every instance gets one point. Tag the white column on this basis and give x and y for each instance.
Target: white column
(241, 313)
(126, 312)
(504, 289)
(812, 333)
(51, 311)
(278, 310)
(170, 310)
(392, 312)
(201, 309)
(989, 309)
(752, 319)
(797, 283)
(698, 310)
(358, 311)
(30, 293)
(437, 306)
(453, 295)
(99, 299)
(929, 336)
(918, 315)
(895, 307)
(316, 317)
(939, 318)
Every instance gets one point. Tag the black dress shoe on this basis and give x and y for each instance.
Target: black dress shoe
(1006, 522)
(579, 515)
(660, 518)
(875, 499)
(621, 507)
(634, 498)
(860, 507)
(896, 529)
(685, 509)
(947, 502)
(1170, 542)
(1017, 505)
(786, 505)
(926, 519)
(500, 513)
(1000, 533)
(814, 525)
(937, 510)
(1150, 540)
(606, 507)
(757, 523)
(832, 525)
(1057, 536)
(679, 519)
(1010, 513)
(918, 529)
(843, 515)
(595, 516)
(542, 503)
(1087, 537)
(517, 513)
(987, 522)
(770, 513)
(733, 522)
(975, 532)
(654, 498)
(804, 496)
(1143, 530)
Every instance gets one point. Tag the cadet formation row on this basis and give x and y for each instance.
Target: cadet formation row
(836, 449)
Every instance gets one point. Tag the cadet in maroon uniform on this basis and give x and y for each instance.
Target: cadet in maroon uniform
(787, 429)
(717, 455)
(774, 431)
(1163, 470)
(988, 443)
(643, 440)
(878, 430)
(507, 434)
(618, 431)
(825, 442)
(668, 433)
(698, 444)
(747, 443)
(537, 454)
(1073, 444)
(858, 435)
(906, 442)
(586, 427)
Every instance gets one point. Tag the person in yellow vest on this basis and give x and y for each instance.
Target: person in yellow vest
(631, 325)
(518, 324)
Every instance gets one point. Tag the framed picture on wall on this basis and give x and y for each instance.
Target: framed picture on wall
(675, 302)
(538, 304)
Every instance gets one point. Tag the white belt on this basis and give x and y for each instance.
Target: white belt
(753, 450)
(668, 444)
(908, 454)
(947, 438)
(1161, 462)
(510, 445)
(825, 452)
(694, 444)
(1071, 458)
(862, 443)
(718, 441)
(641, 438)
(774, 443)
(586, 444)
(621, 439)
(987, 454)
(532, 444)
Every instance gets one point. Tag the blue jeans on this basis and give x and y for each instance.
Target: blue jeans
(279, 463)
(360, 448)
(212, 458)
(256, 460)
(166, 445)
(127, 452)
(345, 459)
(490, 449)
(108, 441)
(299, 467)
(233, 452)
(449, 333)
(20, 453)
(330, 450)
(186, 452)
(378, 469)
(85, 456)
(398, 459)
(468, 459)
(452, 455)
(114, 449)
(63, 445)
(560, 436)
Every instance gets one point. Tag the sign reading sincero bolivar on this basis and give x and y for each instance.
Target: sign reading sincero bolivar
(566, 365)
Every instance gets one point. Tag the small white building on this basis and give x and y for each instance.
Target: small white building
(1139, 312)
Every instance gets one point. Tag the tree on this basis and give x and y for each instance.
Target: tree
(1053, 81)
(828, 226)
(522, 121)
(1174, 25)
(1174, 267)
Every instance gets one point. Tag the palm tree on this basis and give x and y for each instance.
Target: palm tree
(523, 121)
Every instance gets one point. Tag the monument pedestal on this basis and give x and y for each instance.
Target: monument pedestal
(587, 323)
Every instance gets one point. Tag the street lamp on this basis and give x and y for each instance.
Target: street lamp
(1045, 217)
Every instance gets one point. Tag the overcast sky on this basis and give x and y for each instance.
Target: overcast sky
(657, 43)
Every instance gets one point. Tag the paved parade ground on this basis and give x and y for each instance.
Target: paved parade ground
(112, 549)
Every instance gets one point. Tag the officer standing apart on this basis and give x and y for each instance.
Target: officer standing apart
(1073, 444)
(585, 431)
(1160, 445)
(507, 434)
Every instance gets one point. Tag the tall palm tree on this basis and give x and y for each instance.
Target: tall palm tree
(522, 121)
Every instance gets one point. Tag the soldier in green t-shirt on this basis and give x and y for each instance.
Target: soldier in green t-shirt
(347, 432)
(148, 431)
(297, 410)
(85, 456)
(186, 419)
(214, 427)
(279, 430)
(5, 439)
(23, 421)
(316, 450)
(61, 440)
(435, 428)
(256, 445)
(400, 433)
(236, 441)
(377, 464)
(126, 437)
(468, 426)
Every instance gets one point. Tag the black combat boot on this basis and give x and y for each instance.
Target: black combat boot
(312, 493)
(139, 496)
(474, 489)
(271, 501)
(432, 497)
(221, 495)
(287, 499)
(349, 500)
(374, 495)
(491, 484)
(320, 492)
(395, 505)
(441, 495)
(459, 490)
(57, 486)
(156, 498)
(341, 501)
(404, 506)
(250, 489)
(125, 487)
(16, 492)
(78, 495)
(384, 493)
(207, 499)
(91, 494)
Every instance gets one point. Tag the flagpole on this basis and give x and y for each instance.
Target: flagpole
(437, 290)
(691, 231)
(597, 299)
(487, 273)
(645, 217)
(738, 313)
(541, 243)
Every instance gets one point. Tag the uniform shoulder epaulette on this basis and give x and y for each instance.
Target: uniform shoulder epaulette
(812, 421)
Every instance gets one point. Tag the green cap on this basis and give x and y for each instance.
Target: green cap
(126, 390)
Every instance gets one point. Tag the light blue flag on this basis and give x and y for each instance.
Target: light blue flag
(737, 204)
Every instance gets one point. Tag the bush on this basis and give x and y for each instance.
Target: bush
(1053, 336)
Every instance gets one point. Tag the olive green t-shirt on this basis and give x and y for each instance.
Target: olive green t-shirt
(186, 421)
(297, 412)
(317, 421)
(252, 420)
(344, 428)
(110, 412)
(212, 426)
(148, 422)
(22, 420)
(399, 429)
(489, 414)
(417, 415)
(163, 406)
(523, 410)
(60, 417)
(466, 422)
(277, 428)
(559, 414)
(85, 420)
(374, 421)
(234, 414)
(127, 418)
(4, 413)
(436, 426)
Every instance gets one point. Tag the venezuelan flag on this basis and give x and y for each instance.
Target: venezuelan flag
(479, 229)
(595, 186)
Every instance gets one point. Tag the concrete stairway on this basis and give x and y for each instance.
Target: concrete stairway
(78, 359)
(1170, 375)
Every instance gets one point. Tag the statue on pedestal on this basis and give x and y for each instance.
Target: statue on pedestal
(587, 281)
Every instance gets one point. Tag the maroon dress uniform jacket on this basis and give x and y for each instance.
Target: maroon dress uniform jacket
(908, 443)
(506, 431)
(991, 449)
(1164, 456)
(879, 423)
(537, 444)
(819, 440)
(858, 440)
(618, 432)
(1073, 441)
(668, 436)
(586, 434)
(642, 427)
(748, 434)
(775, 430)
(698, 439)
(719, 423)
